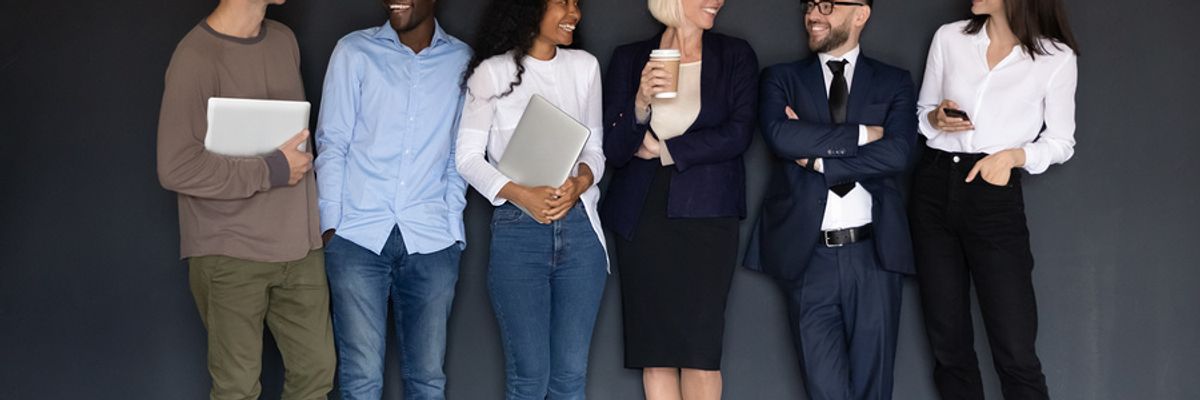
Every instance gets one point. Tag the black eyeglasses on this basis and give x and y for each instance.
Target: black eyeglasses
(826, 7)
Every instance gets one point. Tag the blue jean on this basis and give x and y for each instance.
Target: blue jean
(421, 289)
(546, 282)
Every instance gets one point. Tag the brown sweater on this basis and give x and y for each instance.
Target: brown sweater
(239, 207)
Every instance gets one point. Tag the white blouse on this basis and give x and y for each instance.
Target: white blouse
(1008, 104)
(570, 81)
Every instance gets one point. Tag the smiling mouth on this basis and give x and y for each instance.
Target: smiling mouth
(711, 10)
(396, 8)
(567, 27)
(818, 28)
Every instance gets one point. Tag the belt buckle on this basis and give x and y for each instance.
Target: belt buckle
(825, 235)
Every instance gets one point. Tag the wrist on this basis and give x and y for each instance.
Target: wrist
(1016, 157)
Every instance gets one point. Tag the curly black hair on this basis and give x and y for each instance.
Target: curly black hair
(508, 26)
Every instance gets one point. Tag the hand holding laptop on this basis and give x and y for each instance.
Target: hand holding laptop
(534, 200)
(567, 194)
(298, 159)
(255, 127)
(547, 204)
(539, 158)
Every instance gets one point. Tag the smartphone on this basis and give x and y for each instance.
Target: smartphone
(956, 113)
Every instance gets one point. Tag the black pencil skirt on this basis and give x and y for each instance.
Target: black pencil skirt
(675, 276)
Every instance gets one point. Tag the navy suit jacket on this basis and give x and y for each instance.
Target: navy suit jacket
(790, 223)
(709, 178)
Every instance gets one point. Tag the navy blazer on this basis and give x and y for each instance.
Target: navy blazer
(709, 178)
(790, 223)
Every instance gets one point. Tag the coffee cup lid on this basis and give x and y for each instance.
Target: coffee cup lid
(665, 53)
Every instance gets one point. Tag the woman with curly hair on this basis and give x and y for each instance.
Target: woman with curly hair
(547, 268)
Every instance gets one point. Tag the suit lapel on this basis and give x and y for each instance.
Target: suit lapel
(710, 59)
(864, 75)
(813, 79)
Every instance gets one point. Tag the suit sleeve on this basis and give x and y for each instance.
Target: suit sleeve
(793, 139)
(729, 139)
(891, 155)
(622, 132)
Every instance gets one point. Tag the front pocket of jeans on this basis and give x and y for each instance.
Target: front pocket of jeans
(506, 215)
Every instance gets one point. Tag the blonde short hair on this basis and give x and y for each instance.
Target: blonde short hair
(669, 12)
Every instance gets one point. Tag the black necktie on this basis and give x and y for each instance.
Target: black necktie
(839, 93)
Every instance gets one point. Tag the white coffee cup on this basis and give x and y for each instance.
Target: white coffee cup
(670, 60)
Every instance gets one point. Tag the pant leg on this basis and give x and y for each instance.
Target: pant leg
(997, 245)
(358, 285)
(298, 315)
(519, 285)
(422, 296)
(577, 285)
(818, 330)
(943, 276)
(871, 299)
(231, 295)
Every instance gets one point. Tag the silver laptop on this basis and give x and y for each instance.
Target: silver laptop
(545, 146)
(249, 127)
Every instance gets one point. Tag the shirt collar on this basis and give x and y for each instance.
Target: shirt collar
(851, 56)
(386, 32)
(982, 40)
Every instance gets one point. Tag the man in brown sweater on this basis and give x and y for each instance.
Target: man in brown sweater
(248, 225)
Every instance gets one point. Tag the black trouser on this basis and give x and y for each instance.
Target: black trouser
(975, 232)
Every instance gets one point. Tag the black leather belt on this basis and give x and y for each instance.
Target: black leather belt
(842, 237)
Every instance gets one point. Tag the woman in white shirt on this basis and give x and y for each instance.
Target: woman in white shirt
(998, 96)
(547, 271)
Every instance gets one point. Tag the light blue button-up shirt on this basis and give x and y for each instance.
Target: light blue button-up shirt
(385, 141)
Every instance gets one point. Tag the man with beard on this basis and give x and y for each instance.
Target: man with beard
(833, 231)
(391, 199)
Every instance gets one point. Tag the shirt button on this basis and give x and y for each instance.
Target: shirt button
(956, 159)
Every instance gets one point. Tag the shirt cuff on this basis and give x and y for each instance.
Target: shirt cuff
(331, 215)
(1034, 162)
(819, 165)
(863, 137)
(457, 231)
(493, 191)
(640, 116)
(925, 127)
(278, 170)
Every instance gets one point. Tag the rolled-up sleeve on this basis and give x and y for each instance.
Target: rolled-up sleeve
(1056, 144)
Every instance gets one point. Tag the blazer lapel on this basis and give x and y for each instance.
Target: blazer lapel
(710, 60)
(864, 74)
(813, 79)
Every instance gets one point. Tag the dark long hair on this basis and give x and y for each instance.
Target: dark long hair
(508, 26)
(1032, 20)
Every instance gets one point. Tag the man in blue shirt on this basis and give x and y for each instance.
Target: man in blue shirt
(391, 201)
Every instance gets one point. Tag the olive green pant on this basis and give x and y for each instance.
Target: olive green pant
(235, 296)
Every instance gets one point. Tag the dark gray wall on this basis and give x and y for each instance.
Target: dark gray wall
(94, 303)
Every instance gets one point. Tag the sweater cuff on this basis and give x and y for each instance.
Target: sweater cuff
(278, 169)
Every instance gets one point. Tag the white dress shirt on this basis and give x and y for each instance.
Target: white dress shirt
(853, 209)
(570, 81)
(1008, 104)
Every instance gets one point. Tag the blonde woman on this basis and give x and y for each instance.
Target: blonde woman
(677, 193)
